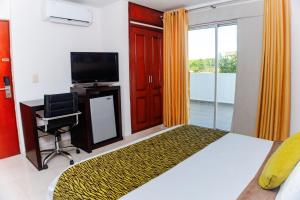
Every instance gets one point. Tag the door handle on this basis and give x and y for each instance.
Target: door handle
(7, 87)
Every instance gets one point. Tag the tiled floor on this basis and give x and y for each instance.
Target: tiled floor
(202, 114)
(20, 180)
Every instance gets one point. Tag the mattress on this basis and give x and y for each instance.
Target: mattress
(220, 171)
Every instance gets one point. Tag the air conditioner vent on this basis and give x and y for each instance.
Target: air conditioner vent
(68, 13)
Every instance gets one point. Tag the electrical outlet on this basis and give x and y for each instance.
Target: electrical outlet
(35, 78)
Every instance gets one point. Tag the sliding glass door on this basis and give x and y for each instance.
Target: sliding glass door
(213, 64)
(202, 77)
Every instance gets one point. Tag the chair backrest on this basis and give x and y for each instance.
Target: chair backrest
(60, 104)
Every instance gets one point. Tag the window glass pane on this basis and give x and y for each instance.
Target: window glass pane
(202, 76)
(226, 77)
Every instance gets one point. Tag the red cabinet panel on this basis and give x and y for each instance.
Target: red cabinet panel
(146, 67)
(145, 15)
(146, 51)
(139, 79)
(156, 73)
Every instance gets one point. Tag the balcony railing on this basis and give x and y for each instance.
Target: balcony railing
(202, 87)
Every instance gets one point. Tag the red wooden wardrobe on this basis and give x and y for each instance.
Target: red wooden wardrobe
(146, 66)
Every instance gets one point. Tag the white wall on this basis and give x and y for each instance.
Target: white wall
(228, 12)
(206, 92)
(4, 9)
(114, 30)
(295, 115)
(42, 49)
(248, 75)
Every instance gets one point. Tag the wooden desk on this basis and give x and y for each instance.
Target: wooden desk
(81, 135)
(32, 146)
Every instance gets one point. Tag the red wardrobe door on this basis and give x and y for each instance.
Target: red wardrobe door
(139, 76)
(156, 73)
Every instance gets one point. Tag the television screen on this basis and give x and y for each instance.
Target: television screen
(94, 67)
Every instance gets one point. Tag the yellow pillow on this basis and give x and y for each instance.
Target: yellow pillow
(281, 163)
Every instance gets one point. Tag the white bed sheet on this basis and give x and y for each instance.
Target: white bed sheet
(226, 166)
(221, 171)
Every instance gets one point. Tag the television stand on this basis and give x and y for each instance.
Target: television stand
(83, 134)
(94, 85)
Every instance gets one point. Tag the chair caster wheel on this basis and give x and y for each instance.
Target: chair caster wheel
(77, 151)
(71, 162)
(45, 166)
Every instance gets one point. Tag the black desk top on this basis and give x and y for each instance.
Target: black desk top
(34, 103)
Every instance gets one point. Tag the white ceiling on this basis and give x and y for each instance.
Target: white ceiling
(156, 4)
(97, 3)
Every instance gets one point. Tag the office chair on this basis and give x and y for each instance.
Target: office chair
(61, 111)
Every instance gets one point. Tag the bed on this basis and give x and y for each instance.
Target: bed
(191, 163)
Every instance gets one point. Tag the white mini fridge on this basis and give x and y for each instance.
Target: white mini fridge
(103, 118)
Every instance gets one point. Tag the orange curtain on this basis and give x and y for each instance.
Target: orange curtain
(176, 74)
(273, 118)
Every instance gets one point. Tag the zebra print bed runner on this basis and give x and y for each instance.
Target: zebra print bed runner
(115, 174)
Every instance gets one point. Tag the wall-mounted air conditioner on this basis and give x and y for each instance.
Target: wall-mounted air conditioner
(59, 11)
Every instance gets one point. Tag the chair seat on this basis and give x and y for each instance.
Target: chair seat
(54, 125)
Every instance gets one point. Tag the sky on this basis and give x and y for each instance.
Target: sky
(202, 42)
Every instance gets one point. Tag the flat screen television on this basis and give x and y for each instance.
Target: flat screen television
(94, 67)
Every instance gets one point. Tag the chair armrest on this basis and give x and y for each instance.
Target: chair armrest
(46, 120)
(62, 116)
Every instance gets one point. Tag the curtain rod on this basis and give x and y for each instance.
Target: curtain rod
(147, 25)
(215, 4)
